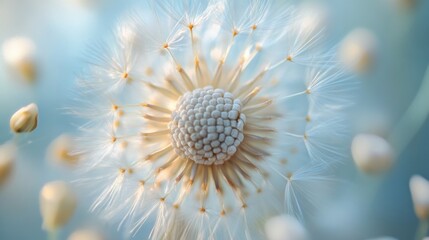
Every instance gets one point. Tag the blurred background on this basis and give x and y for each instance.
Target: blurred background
(367, 206)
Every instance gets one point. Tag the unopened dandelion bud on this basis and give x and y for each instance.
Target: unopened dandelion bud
(419, 188)
(19, 54)
(86, 234)
(25, 119)
(358, 50)
(7, 158)
(57, 204)
(371, 153)
(285, 227)
(61, 150)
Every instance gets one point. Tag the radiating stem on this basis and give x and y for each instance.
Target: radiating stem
(413, 118)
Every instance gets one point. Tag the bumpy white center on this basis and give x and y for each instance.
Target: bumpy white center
(207, 126)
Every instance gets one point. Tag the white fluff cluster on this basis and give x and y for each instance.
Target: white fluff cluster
(200, 112)
(207, 126)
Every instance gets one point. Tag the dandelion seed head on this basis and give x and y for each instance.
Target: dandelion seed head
(198, 144)
(207, 126)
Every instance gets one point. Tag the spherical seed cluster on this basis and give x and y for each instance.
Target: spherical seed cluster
(207, 126)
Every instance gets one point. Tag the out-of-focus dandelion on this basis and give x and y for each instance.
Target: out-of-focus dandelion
(313, 16)
(86, 234)
(57, 205)
(25, 119)
(7, 159)
(358, 50)
(61, 150)
(371, 153)
(419, 188)
(19, 54)
(420, 193)
(285, 227)
(185, 125)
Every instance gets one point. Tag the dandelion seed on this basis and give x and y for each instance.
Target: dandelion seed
(19, 54)
(86, 234)
(419, 188)
(25, 119)
(7, 158)
(196, 146)
(358, 50)
(285, 227)
(371, 153)
(57, 205)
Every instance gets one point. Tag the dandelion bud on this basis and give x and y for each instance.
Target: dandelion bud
(419, 188)
(7, 157)
(357, 51)
(25, 119)
(19, 54)
(57, 204)
(86, 234)
(371, 153)
(61, 150)
(285, 227)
